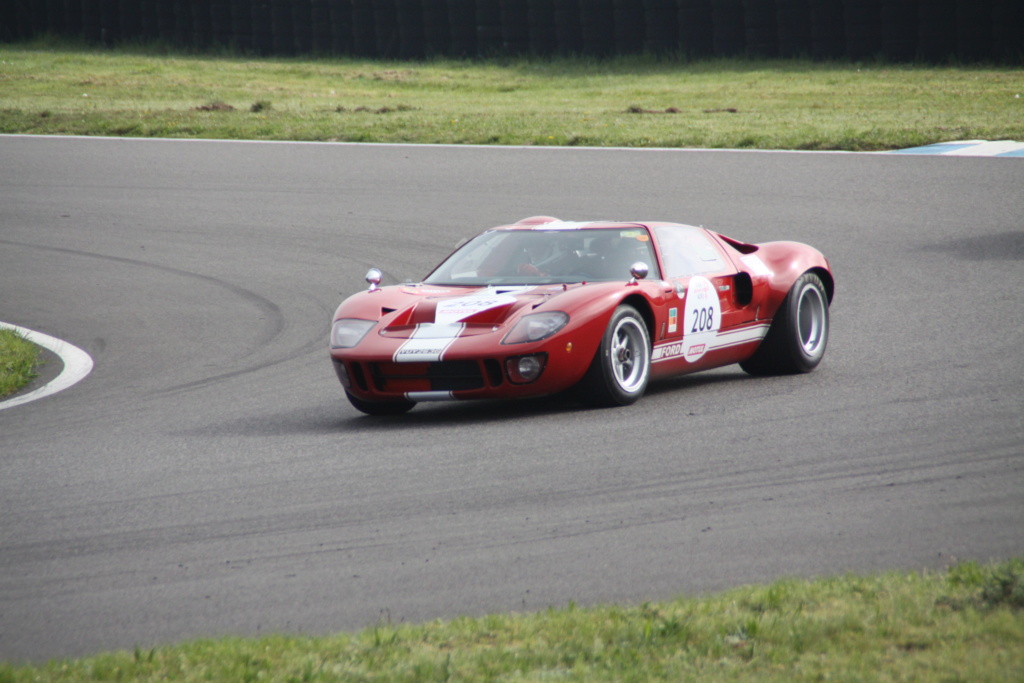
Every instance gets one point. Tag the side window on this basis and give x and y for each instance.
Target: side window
(612, 252)
(686, 251)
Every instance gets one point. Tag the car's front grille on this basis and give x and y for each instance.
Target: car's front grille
(440, 376)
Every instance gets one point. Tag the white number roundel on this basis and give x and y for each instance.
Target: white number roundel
(702, 318)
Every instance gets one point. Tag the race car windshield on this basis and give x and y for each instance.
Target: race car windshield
(537, 257)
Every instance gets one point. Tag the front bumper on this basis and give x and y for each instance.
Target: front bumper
(462, 375)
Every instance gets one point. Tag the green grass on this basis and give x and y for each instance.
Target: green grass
(18, 358)
(644, 101)
(966, 624)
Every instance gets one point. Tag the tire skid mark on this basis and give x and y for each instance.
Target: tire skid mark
(266, 306)
(271, 312)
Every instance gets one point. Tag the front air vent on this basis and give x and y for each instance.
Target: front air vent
(493, 370)
(392, 377)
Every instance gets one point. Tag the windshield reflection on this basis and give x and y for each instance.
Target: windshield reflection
(538, 256)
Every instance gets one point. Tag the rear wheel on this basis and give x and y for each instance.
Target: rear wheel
(619, 372)
(799, 333)
(398, 407)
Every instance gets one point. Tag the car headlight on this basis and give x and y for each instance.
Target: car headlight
(536, 326)
(348, 332)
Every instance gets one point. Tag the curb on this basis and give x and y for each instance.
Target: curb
(77, 365)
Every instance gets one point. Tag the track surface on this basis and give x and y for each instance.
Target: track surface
(208, 477)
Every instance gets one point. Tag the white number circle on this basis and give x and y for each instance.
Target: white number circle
(702, 318)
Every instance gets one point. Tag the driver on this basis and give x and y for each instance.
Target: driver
(552, 255)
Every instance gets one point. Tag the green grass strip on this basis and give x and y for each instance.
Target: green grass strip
(641, 101)
(18, 358)
(966, 624)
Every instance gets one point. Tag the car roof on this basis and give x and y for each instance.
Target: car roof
(550, 223)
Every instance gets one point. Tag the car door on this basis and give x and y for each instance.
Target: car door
(704, 280)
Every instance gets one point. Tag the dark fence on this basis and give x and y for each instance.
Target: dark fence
(896, 30)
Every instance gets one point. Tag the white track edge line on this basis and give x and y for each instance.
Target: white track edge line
(424, 145)
(416, 145)
(77, 365)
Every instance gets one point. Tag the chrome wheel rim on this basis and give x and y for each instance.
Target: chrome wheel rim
(812, 314)
(629, 355)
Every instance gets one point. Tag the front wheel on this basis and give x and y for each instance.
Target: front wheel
(798, 335)
(619, 372)
(398, 407)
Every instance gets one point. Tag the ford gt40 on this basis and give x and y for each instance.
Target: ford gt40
(601, 308)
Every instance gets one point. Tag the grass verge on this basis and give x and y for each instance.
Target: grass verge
(18, 358)
(966, 624)
(641, 101)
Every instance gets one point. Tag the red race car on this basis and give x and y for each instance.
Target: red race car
(545, 305)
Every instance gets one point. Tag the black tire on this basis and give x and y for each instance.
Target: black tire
(621, 368)
(399, 407)
(798, 335)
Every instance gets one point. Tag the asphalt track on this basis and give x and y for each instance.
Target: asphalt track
(208, 477)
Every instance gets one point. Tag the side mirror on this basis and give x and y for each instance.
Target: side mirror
(373, 276)
(639, 271)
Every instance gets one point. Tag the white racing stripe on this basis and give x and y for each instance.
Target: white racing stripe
(430, 340)
(724, 340)
(77, 365)
(743, 335)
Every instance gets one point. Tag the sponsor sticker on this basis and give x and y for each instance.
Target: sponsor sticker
(666, 351)
(563, 225)
(453, 310)
(460, 308)
(425, 291)
(639, 235)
